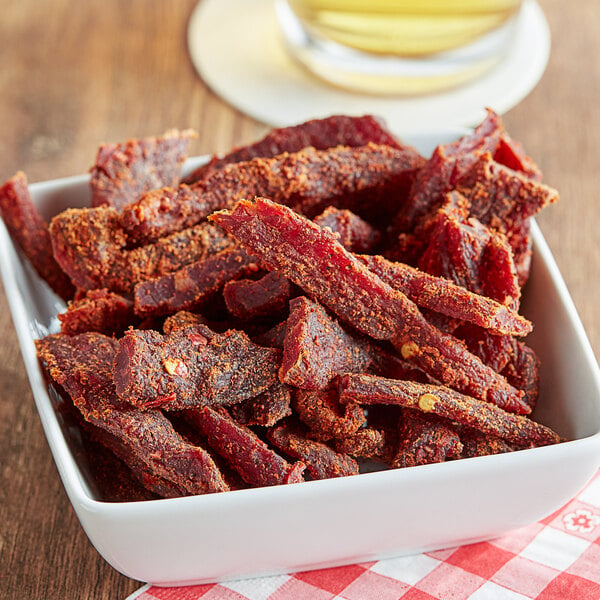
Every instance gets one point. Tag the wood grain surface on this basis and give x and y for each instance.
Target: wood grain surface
(73, 74)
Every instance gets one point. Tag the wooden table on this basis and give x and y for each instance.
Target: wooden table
(73, 74)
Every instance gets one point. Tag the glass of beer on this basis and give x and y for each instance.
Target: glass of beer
(406, 47)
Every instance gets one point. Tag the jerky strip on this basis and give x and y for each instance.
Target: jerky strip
(355, 234)
(29, 230)
(256, 463)
(316, 349)
(368, 443)
(248, 299)
(321, 461)
(337, 130)
(442, 295)
(82, 365)
(193, 284)
(308, 180)
(266, 409)
(97, 310)
(192, 366)
(182, 319)
(123, 172)
(311, 257)
(476, 443)
(444, 402)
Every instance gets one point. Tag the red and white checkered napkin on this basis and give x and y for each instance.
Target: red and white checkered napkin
(555, 559)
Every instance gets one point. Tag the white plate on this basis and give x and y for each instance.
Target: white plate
(326, 523)
(235, 45)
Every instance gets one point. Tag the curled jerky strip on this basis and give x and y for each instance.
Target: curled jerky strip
(443, 296)
(256, 463)
(449, 404)
(192, 366)
(90, 246)
(321, 461)
(248, 299)
(355, 234)
(266, 409)
(311, 257)
(122, 172)
(29, 230)
(193, 284)
(97, 310)
(362, 178)
(316, 348)
(82, 365)
(337, 130)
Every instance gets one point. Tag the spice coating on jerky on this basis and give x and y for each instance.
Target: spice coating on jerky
(355, 234)
(311, 257)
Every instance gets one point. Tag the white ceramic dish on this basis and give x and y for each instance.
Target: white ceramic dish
(325, 523)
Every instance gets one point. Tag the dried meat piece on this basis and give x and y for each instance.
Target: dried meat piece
(476, 443)
(266, 409)
(272, 338)
(256, 463)
(337, 130)
(183, 318)
(191, 366)
(247, 299)
(425, 439)
(355, 234)
(523, 371)
(83, 366)
(494, 350)
(316, 348)
(29, 230)
(311, 257)
(322, 461)
(97, 310)
(325, 417)
(368, 443)
(123, 172)
(370, 179)
(449, 404)
(190, 286)
(444, 296)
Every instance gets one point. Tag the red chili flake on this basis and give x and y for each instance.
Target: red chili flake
(197, 339)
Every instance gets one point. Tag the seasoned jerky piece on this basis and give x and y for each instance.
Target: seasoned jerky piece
(494, 350)
(370, 179)
(449, 404)
(471, 255)
(311, 257)
(522, 371)
(476, 443)
(446, 297)
(326, 418)
(191, 285)
(83, 365)
(425, 439)
(266, 409)
(124, 171)
(192, 366)
(355, 234)
(316, 348)
(257, 464)
(182, 319)
(274, 337)
(321, 461)
(29, 230)
(90, 244)
(368, 443)
(248, 299)
(97, 310)
(337, 130)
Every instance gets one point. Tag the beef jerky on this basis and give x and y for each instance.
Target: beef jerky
(29, 230)
(523, 371)
(316, 348)
(247, 299)
(325, 417)
(83, 366)
(273, 337)
(97, 310)
(321, 461)
(337, 130)
(449, 404)
(123, 172)
(256, 463)
(368, 443)
(444, 296)
(90, 246)
(191, 366)
(182, 319)
(364, 179)
(355, 234)
(494, 350)
(425, 439)
(311, 257)
(190, 286)
(266, 409)
(476, 443)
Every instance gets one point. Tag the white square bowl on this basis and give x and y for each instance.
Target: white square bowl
(326, 523)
